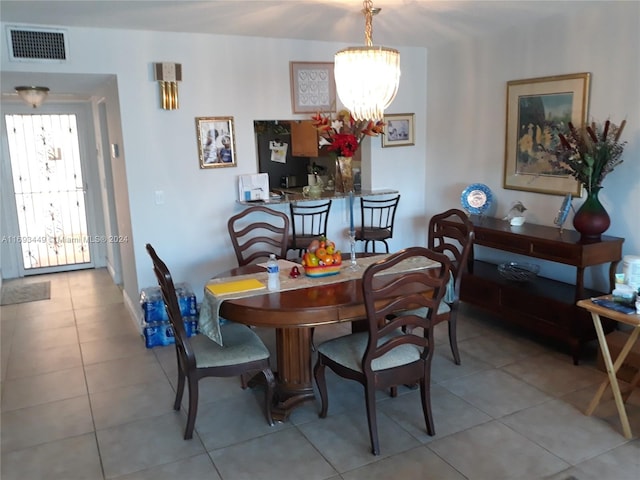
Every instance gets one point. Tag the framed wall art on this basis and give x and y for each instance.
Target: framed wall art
(398, 130)
(539, 109)
(313, 87)
(216, 142)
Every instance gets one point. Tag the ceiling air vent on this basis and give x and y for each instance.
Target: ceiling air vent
(37, 44)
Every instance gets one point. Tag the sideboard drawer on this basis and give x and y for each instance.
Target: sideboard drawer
(558, 252)
(500, 241)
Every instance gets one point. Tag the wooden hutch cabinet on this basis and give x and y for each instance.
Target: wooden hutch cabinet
(544, 306)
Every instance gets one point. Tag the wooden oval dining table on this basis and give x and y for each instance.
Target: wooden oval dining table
(293, 314)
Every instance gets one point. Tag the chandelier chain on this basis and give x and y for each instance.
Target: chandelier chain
(368, 27)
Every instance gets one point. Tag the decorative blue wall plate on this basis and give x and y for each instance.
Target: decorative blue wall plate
(476, 198)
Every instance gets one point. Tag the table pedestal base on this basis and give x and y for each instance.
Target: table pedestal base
(284, 406)
(294, 379)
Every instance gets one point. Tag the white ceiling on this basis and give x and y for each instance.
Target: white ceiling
(421, 23)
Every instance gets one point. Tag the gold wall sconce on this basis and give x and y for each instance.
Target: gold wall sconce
(168, 75)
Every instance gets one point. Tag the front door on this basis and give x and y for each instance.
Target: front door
(49, 192)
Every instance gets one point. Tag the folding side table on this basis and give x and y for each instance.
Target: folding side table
(612, 367)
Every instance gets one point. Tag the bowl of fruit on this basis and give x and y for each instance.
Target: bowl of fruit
(321, 258)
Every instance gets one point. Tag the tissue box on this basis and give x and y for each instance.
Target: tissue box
(153, 305)
(161, 333)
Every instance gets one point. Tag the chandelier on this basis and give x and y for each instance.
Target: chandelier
(34, 96)
(367, 77)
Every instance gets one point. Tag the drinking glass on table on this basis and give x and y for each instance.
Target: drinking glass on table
(352, 244)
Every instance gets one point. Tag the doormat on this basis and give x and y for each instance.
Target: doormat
(31, 292)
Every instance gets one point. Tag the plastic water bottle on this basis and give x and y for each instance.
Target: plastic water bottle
(273, 273)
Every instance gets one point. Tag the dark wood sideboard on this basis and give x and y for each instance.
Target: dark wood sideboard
(543, 305)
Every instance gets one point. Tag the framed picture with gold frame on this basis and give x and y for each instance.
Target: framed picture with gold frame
(216, 142)
(398, 130)
(538, 109)
(313, 87)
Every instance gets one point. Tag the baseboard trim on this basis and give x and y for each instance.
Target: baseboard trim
(135, 312)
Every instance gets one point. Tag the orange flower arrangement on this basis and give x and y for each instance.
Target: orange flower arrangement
(344, 134)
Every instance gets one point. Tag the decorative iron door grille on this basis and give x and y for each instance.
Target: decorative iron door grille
(49, 190)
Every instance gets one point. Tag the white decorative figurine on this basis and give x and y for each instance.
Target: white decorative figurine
(516, 214)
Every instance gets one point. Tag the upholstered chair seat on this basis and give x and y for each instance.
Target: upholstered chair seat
(348, 351)
(241, 345)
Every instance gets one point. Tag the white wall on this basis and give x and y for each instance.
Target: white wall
(243, 77)
(467, 102)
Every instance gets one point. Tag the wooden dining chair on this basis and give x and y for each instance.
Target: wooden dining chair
(308, 222)
(384, 355)
(258, 232)
(199, 357)
(452, 233)
(377, 221)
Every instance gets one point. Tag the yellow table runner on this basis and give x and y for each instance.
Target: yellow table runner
(209, 321)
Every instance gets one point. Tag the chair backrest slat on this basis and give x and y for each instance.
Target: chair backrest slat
(378, 213)
(452, 233)
(167, 287)
(386, 294)
(257, 232)
(309, 220)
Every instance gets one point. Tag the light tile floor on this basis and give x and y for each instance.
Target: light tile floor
(82, 398)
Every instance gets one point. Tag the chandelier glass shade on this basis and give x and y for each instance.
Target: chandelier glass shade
(34, 96)
(367, 77)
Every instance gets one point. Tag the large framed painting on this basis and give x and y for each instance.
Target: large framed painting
(313, 87)
(538, 109)
(216, 142)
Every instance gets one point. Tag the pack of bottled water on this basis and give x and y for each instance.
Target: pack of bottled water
(156, 328)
